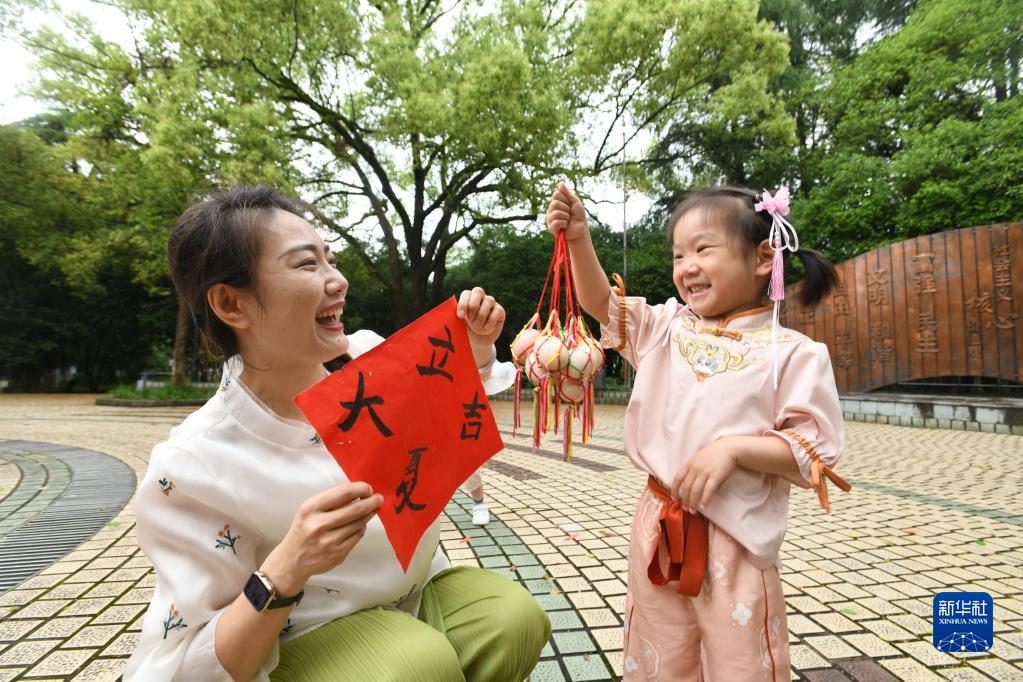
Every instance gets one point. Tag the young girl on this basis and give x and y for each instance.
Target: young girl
(256, 534)
(728, 409)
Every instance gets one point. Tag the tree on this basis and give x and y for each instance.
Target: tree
(707, 81)
(924, 131)
(824, 36)
(144, 150)
(103, 324)
(409, 124)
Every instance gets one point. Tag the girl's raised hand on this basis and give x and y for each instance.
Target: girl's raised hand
(567, 213)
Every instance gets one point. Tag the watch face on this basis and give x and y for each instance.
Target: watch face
(257, 593)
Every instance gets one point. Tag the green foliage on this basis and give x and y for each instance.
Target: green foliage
(424, 121)
(427, 135)
(165, 392)
(696, 76)
(68, 289)
(46, 324)
(907, 120)
(925, 131)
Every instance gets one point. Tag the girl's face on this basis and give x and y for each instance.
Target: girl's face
(712, 273)
(301, 296)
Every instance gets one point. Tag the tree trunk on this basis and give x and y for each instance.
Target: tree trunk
(419, 276)
(437, 285)
(398, 304)
(180, 343)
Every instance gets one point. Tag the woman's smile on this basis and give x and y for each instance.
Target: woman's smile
(330, 318)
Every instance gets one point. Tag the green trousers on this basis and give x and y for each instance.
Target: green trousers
(473, 625)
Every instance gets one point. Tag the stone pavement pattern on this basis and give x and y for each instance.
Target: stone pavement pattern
(931, 511)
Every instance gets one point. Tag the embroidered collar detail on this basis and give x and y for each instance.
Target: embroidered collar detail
(256, 417)
(712, 349)
(746, 320)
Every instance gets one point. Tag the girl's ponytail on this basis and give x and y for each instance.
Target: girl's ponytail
(819, 277)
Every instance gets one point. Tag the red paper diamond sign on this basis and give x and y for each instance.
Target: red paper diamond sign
(409, 417)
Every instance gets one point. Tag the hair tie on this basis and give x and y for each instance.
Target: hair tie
(782, 237)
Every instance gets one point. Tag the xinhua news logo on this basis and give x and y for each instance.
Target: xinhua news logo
(963, 621)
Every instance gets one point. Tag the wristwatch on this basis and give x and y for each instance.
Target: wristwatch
(262, 594)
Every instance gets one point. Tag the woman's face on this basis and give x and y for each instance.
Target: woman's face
(301, 295)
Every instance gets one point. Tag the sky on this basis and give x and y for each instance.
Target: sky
(14, 76)
(17, 73)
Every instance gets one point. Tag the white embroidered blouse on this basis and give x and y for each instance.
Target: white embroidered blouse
(220, 493)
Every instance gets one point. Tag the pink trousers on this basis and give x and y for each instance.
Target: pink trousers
(734, 630)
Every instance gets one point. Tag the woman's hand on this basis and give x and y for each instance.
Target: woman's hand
(566, 212)
(698, 480)
(324, 531)
(484, 319)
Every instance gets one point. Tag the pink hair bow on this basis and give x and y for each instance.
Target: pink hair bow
(782, 237)
(778, 204)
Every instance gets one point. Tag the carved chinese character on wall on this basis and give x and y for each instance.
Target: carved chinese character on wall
(1005, 316)
(979, 307)
(923, 271)
(840, 299)
(882, 345)
(843, 357)
(927, 333)
(877, 287)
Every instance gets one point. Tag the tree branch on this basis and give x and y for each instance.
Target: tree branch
(359, 247)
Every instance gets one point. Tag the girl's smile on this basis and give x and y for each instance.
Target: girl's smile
(712, 273)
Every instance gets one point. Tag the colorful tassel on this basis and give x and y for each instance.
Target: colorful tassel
(516, 403)
(566, 439)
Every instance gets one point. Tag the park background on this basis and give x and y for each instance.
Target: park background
(429, 135)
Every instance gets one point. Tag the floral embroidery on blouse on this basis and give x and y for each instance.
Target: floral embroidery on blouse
(227, 383)
(288, 627)
(316, 438)
(170, 624)
(711, 350)
(406, 595)
(330, 590)
(166, 486)
(225, 539)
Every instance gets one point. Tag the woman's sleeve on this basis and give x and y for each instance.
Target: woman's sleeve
(203, 551)
(497, 376)
(809, 417)
(641, 326)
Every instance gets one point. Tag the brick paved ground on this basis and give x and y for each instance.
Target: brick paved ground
(931, 510)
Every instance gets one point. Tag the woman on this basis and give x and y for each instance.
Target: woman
(256, 534)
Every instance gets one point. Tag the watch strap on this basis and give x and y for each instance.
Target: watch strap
(286, 601)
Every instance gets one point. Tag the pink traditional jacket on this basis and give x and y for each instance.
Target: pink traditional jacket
(698, 380)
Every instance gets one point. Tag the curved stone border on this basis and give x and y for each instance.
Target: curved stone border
(99, 487)
(43, 479)
(122, 402)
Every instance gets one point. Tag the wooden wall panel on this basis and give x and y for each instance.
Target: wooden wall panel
(944, 304)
